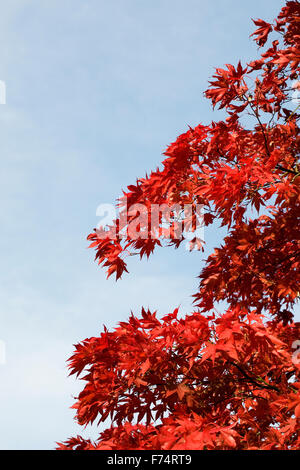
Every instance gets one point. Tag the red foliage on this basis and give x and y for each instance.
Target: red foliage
(212, 381)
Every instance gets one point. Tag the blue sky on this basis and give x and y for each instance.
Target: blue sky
(95, 92)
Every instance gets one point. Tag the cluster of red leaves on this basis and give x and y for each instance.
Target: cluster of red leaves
(207, 381)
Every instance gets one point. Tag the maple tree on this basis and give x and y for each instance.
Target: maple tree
(209, 380)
